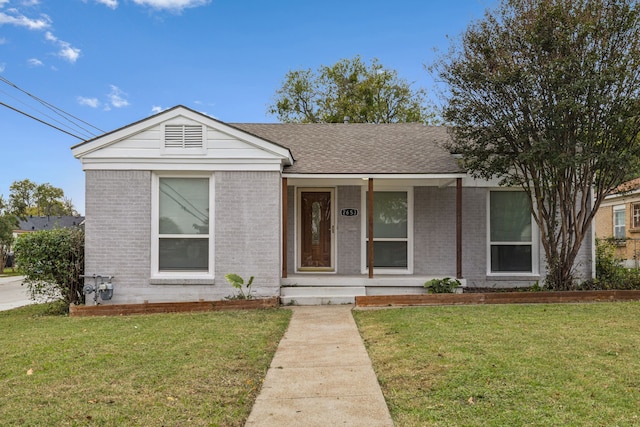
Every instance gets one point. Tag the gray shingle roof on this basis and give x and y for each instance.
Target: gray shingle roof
(37, 223)
(360, 148)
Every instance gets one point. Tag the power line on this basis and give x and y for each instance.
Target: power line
(85, 134)
(52, 107)
(41, 121)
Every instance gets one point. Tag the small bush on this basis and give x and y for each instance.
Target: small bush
(442, 286)
(610, 272)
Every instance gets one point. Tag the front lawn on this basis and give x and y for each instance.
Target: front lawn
(198, 369)
(508, 365)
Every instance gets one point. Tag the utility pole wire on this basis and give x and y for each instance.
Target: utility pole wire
(84, 132)
(52, 107)
(41, 121)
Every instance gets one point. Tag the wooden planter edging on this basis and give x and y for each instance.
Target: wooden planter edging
(496, 298)
(171, 307)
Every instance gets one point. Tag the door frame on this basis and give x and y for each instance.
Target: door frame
(333, 245)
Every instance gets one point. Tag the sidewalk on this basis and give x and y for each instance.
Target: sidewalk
(12, 293)
(321, 375)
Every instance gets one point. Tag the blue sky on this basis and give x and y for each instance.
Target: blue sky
(113, 62)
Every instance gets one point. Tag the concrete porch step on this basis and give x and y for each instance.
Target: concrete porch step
(320, 295)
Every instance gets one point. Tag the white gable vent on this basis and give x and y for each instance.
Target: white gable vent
(183, 136)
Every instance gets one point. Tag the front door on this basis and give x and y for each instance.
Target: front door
(316, 228)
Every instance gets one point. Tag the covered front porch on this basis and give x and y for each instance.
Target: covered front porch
(347, 236)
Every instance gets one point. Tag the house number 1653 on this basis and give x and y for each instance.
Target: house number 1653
(349, 212)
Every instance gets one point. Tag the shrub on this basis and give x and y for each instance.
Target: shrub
(52, 262)
(442, 286)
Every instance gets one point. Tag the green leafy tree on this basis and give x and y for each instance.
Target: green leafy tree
(52, 262)
(28, 198)
(21, 197)
(544, 94)
(49, 200)
(349, 88)
(8, 223)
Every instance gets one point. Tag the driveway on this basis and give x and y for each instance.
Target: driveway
(12, 293)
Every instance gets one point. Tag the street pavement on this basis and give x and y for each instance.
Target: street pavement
(12, 293)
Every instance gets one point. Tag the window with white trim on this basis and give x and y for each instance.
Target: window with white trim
(511, 245)
(635, 209)
(182, 232)
(392, 248)
(619, 222)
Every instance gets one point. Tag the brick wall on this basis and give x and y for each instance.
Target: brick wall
(118, 235)
(348, 231)
(118, 229)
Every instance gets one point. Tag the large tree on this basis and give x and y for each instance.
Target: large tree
(28, 198)
(349, 88)
(544, 94)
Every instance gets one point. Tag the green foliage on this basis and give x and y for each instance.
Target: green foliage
(610, 271)
(28, 198)
(7, 224)
(446, 285)
(349, 88)
(544, 94)
(52, 262)
(237, 282)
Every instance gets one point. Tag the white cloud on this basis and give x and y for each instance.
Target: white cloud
(34, 62)
(117, 97)
(2, 67)
(157, 109)
(66, 51)
(89, 102)
(13, 17)
(175, 5)
(109, 3)
(69, 52)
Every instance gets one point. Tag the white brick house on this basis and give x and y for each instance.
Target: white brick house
(176, 201)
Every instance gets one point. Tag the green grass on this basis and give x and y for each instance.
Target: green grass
(201, 369)
(508, 365)
(11, 272)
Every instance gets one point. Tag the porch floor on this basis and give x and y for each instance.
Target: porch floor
(317, 289)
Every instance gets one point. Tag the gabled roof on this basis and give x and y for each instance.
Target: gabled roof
(360, 148)
(315, 148)
(37, 223)
(108, 139)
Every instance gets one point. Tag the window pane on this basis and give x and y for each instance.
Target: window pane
(515, 258)
(389, 254)
(390, 214)
(184, 254)
(510, 217)
(184, 206)
(619, 224)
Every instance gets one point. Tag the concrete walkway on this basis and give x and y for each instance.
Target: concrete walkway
(12, 293)
(321, 375)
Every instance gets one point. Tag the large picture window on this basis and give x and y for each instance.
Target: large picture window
(510, 233)
(183, 233)
(391, 231)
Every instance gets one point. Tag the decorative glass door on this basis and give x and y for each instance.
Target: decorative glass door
(316, 227)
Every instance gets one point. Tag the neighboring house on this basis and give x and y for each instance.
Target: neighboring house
(38, 223)
(619, 218)
(176, 201)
